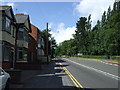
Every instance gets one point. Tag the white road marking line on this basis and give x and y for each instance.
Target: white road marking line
(109, 63)
(97, 70)
(115, 65)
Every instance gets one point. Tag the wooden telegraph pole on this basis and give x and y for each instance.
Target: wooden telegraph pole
(47, 43)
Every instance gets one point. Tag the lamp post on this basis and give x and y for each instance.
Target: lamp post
(47, 43)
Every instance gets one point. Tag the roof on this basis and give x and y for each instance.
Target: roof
(4, 7)
(21, 18)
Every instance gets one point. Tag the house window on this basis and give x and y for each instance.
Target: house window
(13, 30)
(6, 24)
(23, 34)
(3, 23)
(6, 53)
(1, 51)
(0, 22)
(22, 55)
(8, 28)
(20, 35)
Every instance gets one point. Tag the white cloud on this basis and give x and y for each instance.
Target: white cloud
(93, 7)
(50, 25)
(63, 33)
(11, 4)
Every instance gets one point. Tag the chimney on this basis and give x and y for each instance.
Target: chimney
(20, 14)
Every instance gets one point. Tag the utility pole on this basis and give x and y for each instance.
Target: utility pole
(47, 43)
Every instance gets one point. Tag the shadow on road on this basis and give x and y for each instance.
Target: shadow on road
(51, 76)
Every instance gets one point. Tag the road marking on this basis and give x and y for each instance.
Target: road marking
(77, 84)
(106, 62)
(97, 70)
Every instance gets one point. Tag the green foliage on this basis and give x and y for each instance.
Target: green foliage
(51, 43)
(67, 48)
(102, 39)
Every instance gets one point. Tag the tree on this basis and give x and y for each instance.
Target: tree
(81, 35)
(103, 21)
(89, 23)
(53, 46)
(108, 13)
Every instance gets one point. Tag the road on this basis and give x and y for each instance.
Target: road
(93, 73)
(74, 72)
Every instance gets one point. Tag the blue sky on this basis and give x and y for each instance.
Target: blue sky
(61, 16)
(52, 12)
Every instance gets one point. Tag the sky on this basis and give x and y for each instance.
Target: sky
(61, 16)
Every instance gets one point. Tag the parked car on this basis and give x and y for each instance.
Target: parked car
(4, 80)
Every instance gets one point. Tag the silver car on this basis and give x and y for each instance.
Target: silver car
(4, 80)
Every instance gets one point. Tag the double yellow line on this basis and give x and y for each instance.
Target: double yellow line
(77, 84)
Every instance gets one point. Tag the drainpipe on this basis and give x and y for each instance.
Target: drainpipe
(15, 52)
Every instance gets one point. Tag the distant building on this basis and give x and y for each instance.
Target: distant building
(41, 45)
(36, 45)
(7, 36)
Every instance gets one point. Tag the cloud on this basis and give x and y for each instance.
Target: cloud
(93, 7)
(50, 25)
(11, 4)
(62, 33)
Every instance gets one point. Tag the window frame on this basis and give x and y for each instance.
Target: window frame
(6, 20)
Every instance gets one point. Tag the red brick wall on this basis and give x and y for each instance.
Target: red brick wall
(33, 42)
(32, 48)
(34, 32)
(6, 65)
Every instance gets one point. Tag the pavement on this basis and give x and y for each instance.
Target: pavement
(25, 75)
(106, 61)
(50, 76)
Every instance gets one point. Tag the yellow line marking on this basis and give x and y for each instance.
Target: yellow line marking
(74, 78)
(77, 84)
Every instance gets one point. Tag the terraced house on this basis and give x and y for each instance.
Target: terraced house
(7, 36)
(23, 22)
(21, 45)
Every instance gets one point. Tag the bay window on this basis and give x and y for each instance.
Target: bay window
(6, 49)
(6, 24)
(23, 34)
